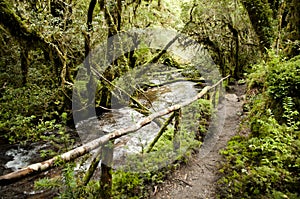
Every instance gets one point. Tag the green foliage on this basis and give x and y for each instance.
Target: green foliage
(128, 185)
(257, 78)
(61, 140)
(27, 112)
(142, 171)
(68, 184)
(261, 17)
(23, 129)
(154, 166)
(10, 74)
(266, 164)
(283, 81)
(215, 24)
(199, 112)
(165, 141)
(280, 79)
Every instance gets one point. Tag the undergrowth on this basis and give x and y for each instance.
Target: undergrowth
(141, 172)
(266, 164)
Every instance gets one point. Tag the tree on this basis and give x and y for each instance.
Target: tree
(261, 18)
(223, 28)
(31, 39)
(293, 28)
(271, 19)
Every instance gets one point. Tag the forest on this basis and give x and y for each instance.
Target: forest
(110, 98)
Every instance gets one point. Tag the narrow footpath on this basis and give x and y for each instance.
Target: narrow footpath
(198, 178)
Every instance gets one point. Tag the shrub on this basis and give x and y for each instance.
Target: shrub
(263, 165)
(280, 79)
(28, 111)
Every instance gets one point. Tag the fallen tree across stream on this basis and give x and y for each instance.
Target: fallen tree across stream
(85, 148)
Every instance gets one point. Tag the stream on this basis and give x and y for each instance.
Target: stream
(14, 157)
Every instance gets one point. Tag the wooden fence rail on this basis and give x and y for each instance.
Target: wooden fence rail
(102, 141)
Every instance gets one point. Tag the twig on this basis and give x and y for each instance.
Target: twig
(185, 182)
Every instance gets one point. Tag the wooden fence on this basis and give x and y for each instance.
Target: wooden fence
(213, 93)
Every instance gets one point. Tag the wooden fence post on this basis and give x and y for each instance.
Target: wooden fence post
(213, 97)
(220, 91)
(176, 140)
(207, 96)
(161, 131)
(106, 170)
(90, 172)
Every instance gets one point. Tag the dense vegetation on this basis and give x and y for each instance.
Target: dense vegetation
(266, 163)
(44, 43)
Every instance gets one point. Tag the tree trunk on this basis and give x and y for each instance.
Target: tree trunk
(88, 56)
(106, 171)
(293, 28)
(176, 136)
(261, 17)
(24, 63)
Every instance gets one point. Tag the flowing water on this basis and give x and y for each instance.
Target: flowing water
(13, 157)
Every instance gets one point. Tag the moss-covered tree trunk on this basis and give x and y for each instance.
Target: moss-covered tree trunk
(112, 13)
(106, 171)
(24, 56)
(261, 17)
(25, 35)
(293, 28)
(263, 13)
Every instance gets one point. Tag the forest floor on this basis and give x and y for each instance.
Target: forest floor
(198, 177)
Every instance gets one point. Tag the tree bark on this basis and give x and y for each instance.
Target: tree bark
(24, 56)
(19, 29)
(88, 56)
(93, 167)
(176, 136)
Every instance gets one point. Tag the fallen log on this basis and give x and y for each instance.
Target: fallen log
(84, 149)
(152, 85)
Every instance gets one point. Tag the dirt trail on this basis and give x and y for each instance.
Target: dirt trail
(198, 178)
